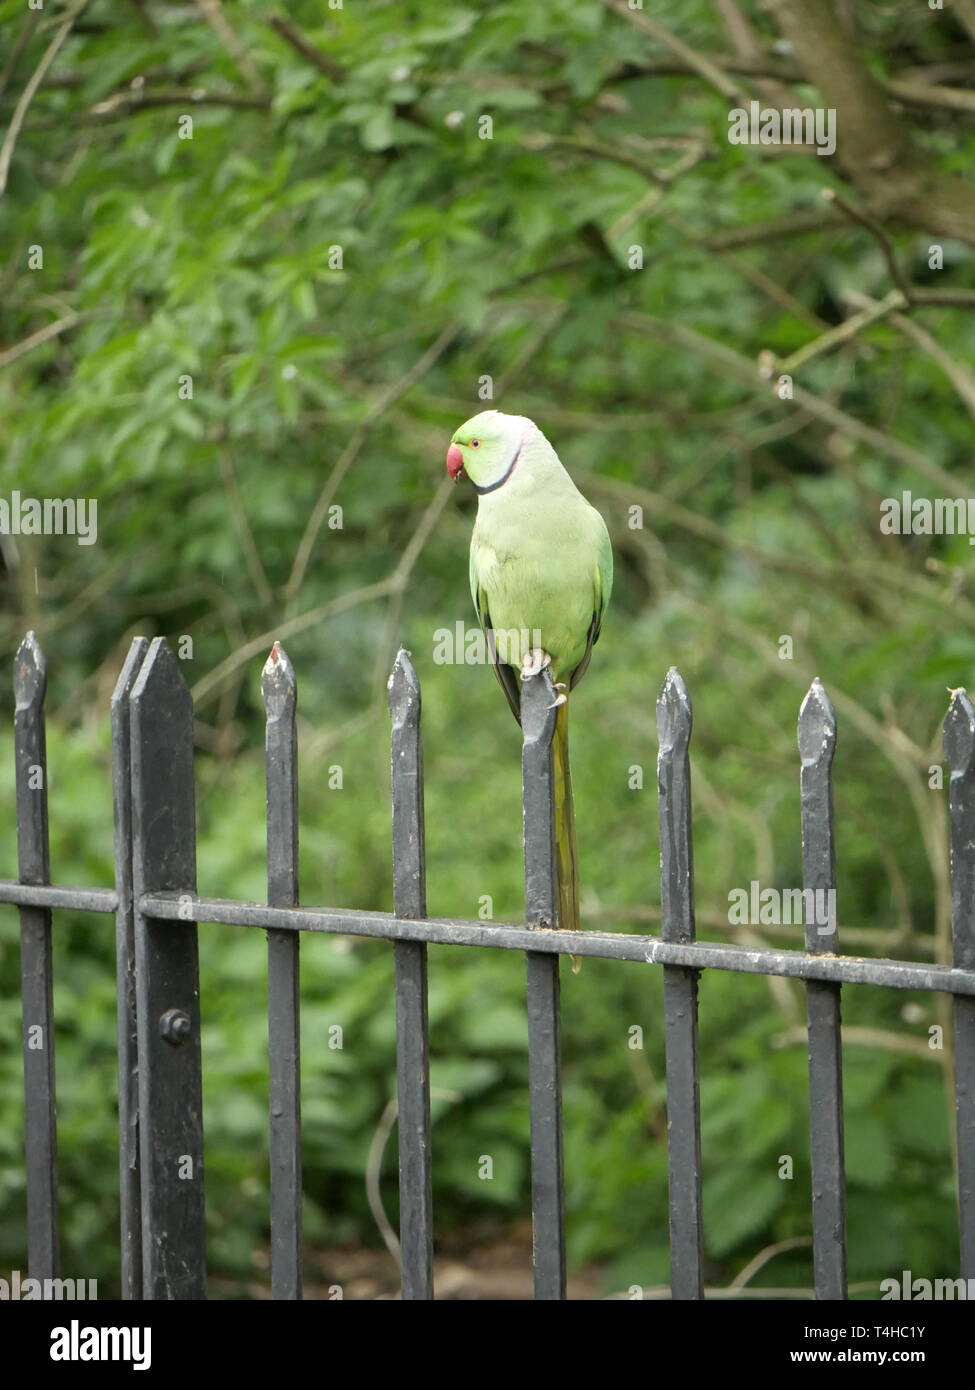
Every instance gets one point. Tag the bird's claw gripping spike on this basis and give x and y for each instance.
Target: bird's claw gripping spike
(559, 700)
(535, 661)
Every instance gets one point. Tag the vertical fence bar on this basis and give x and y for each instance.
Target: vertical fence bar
(680, 988)
(959, 745)
(128, 1042)
(538, 716)
(280, 693)
(817, 743)
(167, 983)
(412, 1027)
(30, 684)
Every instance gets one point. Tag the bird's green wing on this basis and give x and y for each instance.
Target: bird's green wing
(507, 675)
(602, 588)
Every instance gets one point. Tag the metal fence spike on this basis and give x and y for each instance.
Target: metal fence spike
(30, 673)
(278, 683)
(279, 690)
(674, 723)
(817, 725)
(412, 1018)
(817, 744)
(403, 691)
(538, 720)
(958, 732)
(36, 962)
(130, 1184)
(674, 714)
(167, 977)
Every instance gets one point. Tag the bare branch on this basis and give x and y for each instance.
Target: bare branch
(27, 95)
(228, 37)
(541, 140)
(132, 100)
(696, 61)
(214, 679)
(929, 94)
(43, 335)
(964, 12)
(747, 45)
(17, 48)
(742, 370)
(836, 337)
(878, 234)
(951, 298)
(303, 45)
(351, 451)
(769, 287)
(251, 552)
(960, 374)
(793, 224)
(898, 181)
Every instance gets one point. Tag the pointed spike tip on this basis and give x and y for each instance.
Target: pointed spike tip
(674, 714)
(278, 684)
(958, 733)
(130, 670)
(817, 725)
(30, 673)
(403, 690)
(160, 676)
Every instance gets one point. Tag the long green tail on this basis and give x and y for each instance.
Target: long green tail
(567, 854)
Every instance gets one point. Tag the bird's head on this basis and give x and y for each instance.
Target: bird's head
(486, 448)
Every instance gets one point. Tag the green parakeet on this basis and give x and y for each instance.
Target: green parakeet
(541, 574)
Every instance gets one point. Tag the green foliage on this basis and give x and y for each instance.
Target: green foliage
(462, 257)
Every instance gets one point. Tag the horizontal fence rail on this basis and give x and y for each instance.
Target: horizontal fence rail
(157, 910)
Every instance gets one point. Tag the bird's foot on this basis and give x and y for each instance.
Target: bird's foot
(559, 699)
(536, 660)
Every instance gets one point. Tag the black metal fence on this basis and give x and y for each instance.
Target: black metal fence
(157, 908)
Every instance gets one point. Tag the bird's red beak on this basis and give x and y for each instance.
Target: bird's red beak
(455, 463)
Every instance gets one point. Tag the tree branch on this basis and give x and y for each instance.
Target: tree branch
(930, 94)
(742, 35)
(740, 369)
(878, 234)
(306, 48)
(214, 679)
(875, 148)
(17, 47)
(792, 224)
(43, 335)
(718, 79)
(351, 451)
(228, 37)
(960, 374)
(836, 336)
(129, 101)
(964, 12)
(27, 95)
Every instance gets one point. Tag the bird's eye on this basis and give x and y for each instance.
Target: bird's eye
(475, 443)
